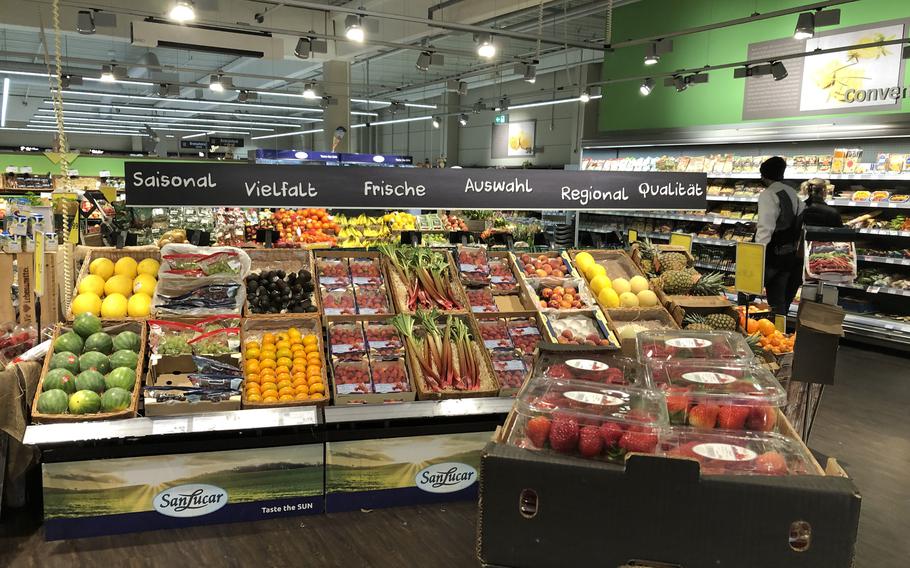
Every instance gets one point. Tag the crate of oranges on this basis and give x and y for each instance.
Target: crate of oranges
(283, 363)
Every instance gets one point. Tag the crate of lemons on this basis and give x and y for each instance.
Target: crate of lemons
(117, 290)
(634, 292)
(90, 372)
(283, 368)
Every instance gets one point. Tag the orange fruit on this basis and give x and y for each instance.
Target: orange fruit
(251, 345)
(284, 362)
(283, 353)
(312, 348)
(268, 337)
(295, 342)
(301, 396)
(282, 369)
(267, 364)
(766, 327)
(252, 378)
(253, 397)
(267, 354)
(252, 353)
(271, 393)
(313, 370)
(283, 344)
(299, 382)
(293, 332)
(286, 397)
(316, 396)
(283, 377)
(316, 387)
(299, 361)
(267, 374)
(314, 357)
(253, 388)
(252, 366)
(281, 336)
(752, 326)
(268, 385)
(283, 384)
(310, 340)
(285, 391)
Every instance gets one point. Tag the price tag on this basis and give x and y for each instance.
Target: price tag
(633, 235)
(104, 174)
(25, 170)
(780, 323)
(851, 203)
(12, 169)
(873, 289)
(718, 221)
(892, 205)
(72, 173)
(682, 240)
(750, 268)
(38, 287)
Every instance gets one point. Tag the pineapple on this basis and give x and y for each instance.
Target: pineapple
(721, 321)
(709, 285)
(753, 341)
(697, 322)
(672, 261)
(677, 282)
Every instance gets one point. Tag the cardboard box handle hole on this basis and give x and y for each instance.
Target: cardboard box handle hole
(527, 503)
(800, 536)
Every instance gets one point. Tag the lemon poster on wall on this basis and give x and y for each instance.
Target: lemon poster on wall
(514, 140)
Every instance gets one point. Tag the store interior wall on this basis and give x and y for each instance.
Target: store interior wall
(720, 101)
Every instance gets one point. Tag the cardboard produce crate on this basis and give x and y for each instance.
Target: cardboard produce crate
(488, 386)
(289, 260)
(306, 323)
(528, 355)
(657, 317)
(568, 267)
(657, 511)
(373, 397)
(130, 412)
(92, 253)
(173, 371)
(617, 262)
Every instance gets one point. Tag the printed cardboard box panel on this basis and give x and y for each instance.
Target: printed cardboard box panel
(528, 513)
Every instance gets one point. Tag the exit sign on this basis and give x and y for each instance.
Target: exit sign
(501, 119)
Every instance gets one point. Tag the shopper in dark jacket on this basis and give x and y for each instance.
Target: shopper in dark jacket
(818, 213)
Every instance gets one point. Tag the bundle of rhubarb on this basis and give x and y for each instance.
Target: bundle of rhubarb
(425, 274)
(447, 357)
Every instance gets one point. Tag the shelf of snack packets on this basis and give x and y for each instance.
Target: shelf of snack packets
(677, 437)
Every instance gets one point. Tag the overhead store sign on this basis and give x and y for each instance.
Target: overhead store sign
(226, 142)
(194, 145)
(158, 184)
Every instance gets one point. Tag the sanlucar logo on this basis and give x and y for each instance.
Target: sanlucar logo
(192, 500)
(447, 477)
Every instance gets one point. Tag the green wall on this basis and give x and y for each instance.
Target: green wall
(87, 165)
(720, 101)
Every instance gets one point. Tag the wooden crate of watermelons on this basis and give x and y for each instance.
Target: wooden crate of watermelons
(295, 264)
(91, 387)
(255, 331)
(107, 285)
(486, 384)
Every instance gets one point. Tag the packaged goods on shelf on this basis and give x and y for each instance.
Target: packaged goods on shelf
(481, 300)
(593, 364)
(383, 339)
(473, 265)
(337, 301)
(831, 262)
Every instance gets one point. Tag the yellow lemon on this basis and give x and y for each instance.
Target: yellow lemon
(119, 284)
(139, 305)
(103, 267)
(126, 266)
(598, 283)
(621, 285)
(149, 266)
(114, 306)
(583, 260)
(144, 283)
(609, 298)
(92, 284)
(594, 271)
(86, 303)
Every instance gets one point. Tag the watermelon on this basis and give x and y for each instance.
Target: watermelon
(65, 360)
(53, 401)
(90, 380)
(60, 379)
(69, 342)
(121, 377)
(115, 399)
(92, 360)
(84, 402)
(86, 324)
(124, 358)
(128, 340)
(100, 342)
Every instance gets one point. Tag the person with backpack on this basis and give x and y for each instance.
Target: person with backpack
(780, 227)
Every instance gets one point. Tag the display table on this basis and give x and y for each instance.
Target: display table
(166, 472)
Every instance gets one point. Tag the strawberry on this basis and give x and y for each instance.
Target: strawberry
(611, 432)
(677, 404)
(537, 430)
(564, 434)
(732, 417)
(642, 442)
(703, 416)
(590, 443)
(771, 463)
(762, 419)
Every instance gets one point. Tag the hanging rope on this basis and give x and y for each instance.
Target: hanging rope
(63, 148)
(608, 23)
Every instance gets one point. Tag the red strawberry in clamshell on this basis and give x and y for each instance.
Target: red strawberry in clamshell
(590, 442)
(558, 371)
(677, 404)
(770, 463)
(762, 419)
(564, 434)
(703, 416)
(640, 442)
(732, 417)
(538, 430)
(611, 432)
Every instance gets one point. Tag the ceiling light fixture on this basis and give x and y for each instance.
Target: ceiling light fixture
(297, 133)
(679, 82)
(353, 28)
(805, 26)
(423, 61)
(651, 57)
(778, 71)
(437, 122)
(5, 102)
(182, 11)
(646, 87)
(530, 75)
(107, 74)
(485, 46)
(85, 22)
(184, 111)
(216, 83)
(302, 51)
(584, 97)
(181, 119)
(463, 119)
(309, 91)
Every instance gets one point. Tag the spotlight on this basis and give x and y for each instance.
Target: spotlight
(437, 122)
(504, 104)
(327, 102)
(182, 11)
(302, 51)
(463, 119)
(423, 61)
(396, 107)
(679, 82)
(69, 80)
(462, 88)
(585, 96)
(528, 71)
(85, 22)
(485, 46)
(646, 87)
(805, 26)
(309, 91)
(216, 83)
(479, 107)
(353, 28)
(243, 96)
(778, 71)
(651, 57)
(107, 74)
